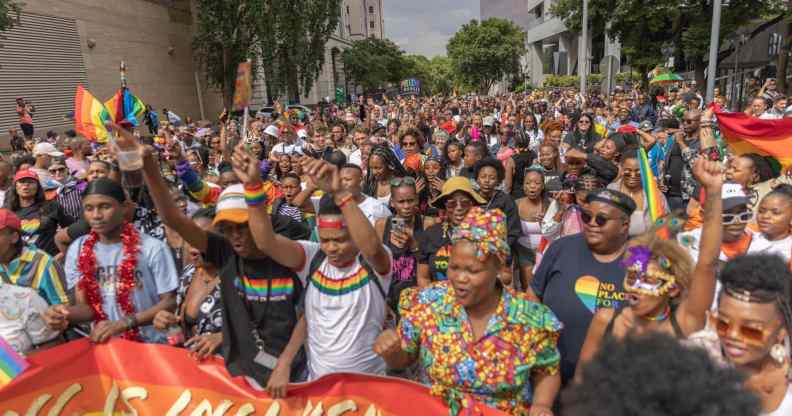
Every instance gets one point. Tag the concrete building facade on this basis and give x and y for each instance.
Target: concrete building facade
(552, 48)
(59, 44)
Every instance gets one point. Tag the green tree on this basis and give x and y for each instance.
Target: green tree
(373, 62)
(286, 37)
(9, 14)
(225, 36)
(483, 53)
(646, 28)
(292, 40)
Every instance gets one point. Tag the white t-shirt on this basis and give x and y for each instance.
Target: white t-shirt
(155, 275)
(284, 148)
(356, 158)
(372, 208)
(761, 245)
(21, 325)
(345, 312)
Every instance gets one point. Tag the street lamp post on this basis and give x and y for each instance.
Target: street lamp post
(582, 51)
(713, 52)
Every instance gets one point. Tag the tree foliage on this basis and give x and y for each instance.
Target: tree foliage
(286, 37)
(646, 28)
(436, 74)
(9, 13)
(485, 52)
(373, 62)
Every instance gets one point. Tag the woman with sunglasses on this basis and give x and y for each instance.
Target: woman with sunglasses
(399, 233)
(583, 134)
(750, 329)
(664, 292)
(383, 166)
(455, 200)
(630, 183)
(411, 143)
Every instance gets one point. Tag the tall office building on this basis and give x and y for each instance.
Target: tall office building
(552, 48)
(363, 18)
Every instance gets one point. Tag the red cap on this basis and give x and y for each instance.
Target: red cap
(25, 174)
(9, 220)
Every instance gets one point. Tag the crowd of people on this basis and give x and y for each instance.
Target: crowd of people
(500, 250)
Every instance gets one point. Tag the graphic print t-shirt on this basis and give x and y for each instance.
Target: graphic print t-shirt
(345, 312)
(155, 275)
(435, 251)
(574, 285)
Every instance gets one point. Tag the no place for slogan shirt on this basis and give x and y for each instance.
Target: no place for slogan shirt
(574, 285)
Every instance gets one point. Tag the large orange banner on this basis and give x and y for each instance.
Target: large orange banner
(128, 378)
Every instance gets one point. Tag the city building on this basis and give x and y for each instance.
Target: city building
(59, 44)
(552, 48)
(363, 18)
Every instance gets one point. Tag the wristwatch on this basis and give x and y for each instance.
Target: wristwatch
(131, 321)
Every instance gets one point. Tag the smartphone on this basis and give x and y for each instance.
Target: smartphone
(398, 224)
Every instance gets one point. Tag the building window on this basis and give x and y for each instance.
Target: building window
(347, 9)
(538, 11)
(371, 24)
(371, 9)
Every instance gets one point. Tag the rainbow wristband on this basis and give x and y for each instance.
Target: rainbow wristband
(256, 195)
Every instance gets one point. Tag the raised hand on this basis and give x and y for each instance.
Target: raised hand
(325, 175)
(708, 173)
(245, 166)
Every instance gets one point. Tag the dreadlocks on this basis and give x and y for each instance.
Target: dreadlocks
(392, 166)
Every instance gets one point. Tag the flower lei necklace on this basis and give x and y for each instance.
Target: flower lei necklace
(86, 264)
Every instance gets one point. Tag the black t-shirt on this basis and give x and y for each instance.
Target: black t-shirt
(522, 161)
(256, 293)
(40, 222)
(674, 169)
(574, 286)
(434, 249)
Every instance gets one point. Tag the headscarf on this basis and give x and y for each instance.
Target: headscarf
(486, 230)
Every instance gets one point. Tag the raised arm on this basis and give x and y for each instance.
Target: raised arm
(702, 287)
(279, 248)
(158, 189)
(327, 178)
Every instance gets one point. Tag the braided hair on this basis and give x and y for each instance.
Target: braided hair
(392, 165)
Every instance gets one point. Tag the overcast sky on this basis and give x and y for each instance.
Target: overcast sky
(424, 26)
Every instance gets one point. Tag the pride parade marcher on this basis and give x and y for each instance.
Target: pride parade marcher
(476, 339)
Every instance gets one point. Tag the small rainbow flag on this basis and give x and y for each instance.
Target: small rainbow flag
(125, 109)
(90, 116)
(649, 184)
(11, 363)
(745, 134)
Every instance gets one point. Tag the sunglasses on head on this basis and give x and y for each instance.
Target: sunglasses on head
(599, 219)
(452, 204)
(747, 334)
(741, 218)
(407, 180)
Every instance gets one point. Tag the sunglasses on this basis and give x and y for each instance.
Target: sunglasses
(407, 180)
(599, 219)
(410, 144)
(741, 218)
(57, 170)
(750, 335)
(452, 204)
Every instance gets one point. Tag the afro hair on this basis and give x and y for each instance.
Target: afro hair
(654, 375)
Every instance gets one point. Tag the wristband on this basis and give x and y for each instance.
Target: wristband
(711, 153)
(255, 195)
(345, 200)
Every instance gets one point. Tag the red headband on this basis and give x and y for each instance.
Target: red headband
(337, 224)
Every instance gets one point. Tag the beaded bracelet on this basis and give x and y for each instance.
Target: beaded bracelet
(345, 201)
(255, 195)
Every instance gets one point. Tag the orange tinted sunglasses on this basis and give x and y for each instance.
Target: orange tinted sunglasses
(749, 335)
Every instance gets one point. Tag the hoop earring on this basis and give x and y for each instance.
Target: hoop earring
(778, 353)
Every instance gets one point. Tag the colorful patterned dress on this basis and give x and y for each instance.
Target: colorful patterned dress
(520, 340)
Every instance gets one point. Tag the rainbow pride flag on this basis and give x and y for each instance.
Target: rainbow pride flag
(745, 134)
(90, 116)
(11, 363)
(126, 109)
(652, 191)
